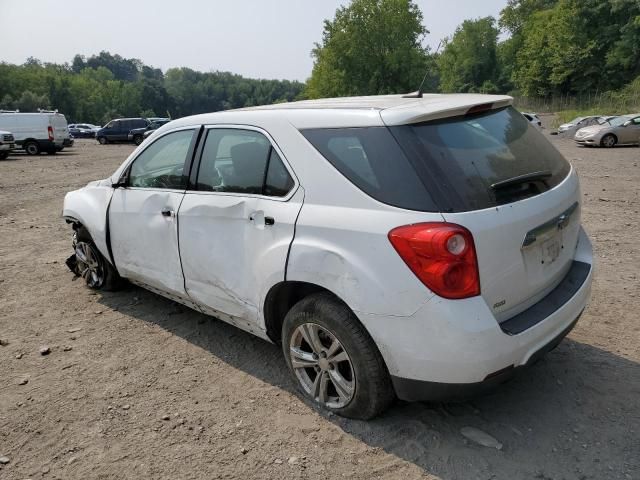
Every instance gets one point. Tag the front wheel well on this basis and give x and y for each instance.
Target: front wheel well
(281, 298)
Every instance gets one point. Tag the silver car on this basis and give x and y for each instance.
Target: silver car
(623, 130)
(578, 123)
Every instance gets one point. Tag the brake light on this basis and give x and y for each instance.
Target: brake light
(441, 255)
(50, 131)
(485, 107)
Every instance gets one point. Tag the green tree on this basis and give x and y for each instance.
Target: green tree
(31, 102)
(468, 62)
(370, 47)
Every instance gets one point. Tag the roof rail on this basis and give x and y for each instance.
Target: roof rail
(9, 111)
(42, 110)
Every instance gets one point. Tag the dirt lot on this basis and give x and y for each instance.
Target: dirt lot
(138, 387)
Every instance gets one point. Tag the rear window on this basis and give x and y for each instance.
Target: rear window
(481, 161)
(452, 165)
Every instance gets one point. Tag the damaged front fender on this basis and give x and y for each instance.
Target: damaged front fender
(89, 206)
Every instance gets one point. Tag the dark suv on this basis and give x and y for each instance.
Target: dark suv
(137, 135)
(118, 130)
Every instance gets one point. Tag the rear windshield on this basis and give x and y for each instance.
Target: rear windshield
(453, 165)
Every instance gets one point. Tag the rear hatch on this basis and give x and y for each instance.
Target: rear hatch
(60, 128)
(496, 175)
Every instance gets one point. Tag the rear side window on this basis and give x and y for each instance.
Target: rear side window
(481, 161)
(242, 161)
(374, 162)
(278, 182)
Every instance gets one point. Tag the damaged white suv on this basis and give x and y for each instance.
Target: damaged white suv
(418, 247)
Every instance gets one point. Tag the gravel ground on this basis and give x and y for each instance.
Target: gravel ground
(136, 386)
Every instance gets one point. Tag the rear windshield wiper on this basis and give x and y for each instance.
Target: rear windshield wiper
(528, 177)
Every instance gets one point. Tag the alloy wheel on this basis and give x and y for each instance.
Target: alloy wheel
(322, 366)
(608, 141)
(89, 265)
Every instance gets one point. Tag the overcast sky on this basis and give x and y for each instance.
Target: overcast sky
(255, 38)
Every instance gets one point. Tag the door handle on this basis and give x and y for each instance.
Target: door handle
(269, 221)
(167, 212)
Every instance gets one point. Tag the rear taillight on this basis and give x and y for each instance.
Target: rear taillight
(441, 255)
(50, 131)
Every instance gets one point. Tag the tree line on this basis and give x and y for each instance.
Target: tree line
(106, 86)
(535, 48)
(552, 47)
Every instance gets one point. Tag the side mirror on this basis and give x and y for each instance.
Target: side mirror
(627, 123)
(122, 181)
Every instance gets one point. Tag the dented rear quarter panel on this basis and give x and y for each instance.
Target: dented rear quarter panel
(347, 251)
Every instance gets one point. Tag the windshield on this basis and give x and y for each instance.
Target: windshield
(616, 122)
(577, 120)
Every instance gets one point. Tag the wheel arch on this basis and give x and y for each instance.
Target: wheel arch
(609, 134)
(281, 297)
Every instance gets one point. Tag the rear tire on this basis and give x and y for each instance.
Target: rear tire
(349, 379)
(102, 140)
(32, 148)
(91, 265)
(138, 139)
(4, 155)
(608, 141)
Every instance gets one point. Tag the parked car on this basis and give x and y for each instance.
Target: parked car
(67, 142)
(533, 119)
(623, 130)
(137, 135)
(394, 246)
(83, 130)
(7, 144)
(118, 130)
(577, 123)
(44, 131)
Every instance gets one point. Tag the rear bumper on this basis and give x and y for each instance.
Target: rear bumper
(418, 390)
(448, 348)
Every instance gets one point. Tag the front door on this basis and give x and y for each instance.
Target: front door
(237, 224)
(630, 133)
(142, 215)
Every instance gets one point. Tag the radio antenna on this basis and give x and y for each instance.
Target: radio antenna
(418, 93)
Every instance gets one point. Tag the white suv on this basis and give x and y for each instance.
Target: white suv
(419, 248)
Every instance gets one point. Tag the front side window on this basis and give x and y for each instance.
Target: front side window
(161, 164)
(242, 161)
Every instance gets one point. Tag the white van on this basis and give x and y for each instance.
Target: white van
(44, 131)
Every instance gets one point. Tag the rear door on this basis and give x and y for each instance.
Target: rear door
(237, 223)
(60, 130)
(142, 215)
(496, 175)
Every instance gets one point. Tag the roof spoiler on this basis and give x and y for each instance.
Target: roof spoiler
(450, 106)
